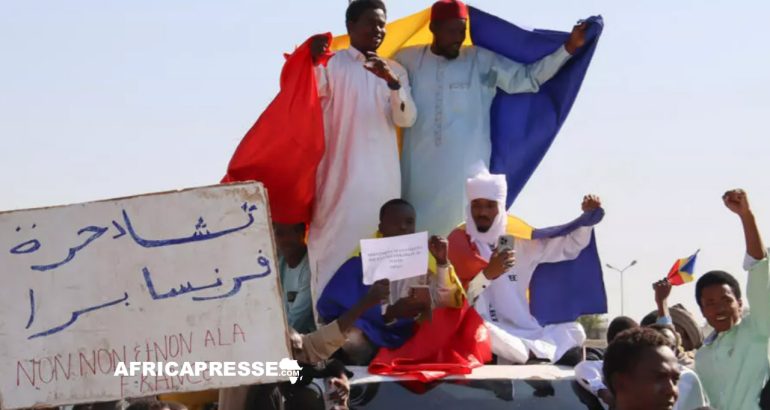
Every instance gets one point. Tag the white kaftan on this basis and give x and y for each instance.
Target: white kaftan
(452, 133)
(359, 171)
(504, 306)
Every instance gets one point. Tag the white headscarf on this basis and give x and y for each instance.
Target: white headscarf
(484, 185)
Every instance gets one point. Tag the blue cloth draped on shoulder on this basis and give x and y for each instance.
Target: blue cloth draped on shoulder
(577, 285)
(523, 126)
(344, 290)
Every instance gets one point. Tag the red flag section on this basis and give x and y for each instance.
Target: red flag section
(455, 341)
(464, 256)
(682, 271)
(283, 148)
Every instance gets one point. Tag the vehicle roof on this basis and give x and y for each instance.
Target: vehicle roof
(486, 372)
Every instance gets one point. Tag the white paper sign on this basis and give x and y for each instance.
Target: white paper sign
(394, 258)
(186, 276)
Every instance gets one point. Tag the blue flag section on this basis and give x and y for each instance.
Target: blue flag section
(560, 292)
(524, 125)
(346, 289)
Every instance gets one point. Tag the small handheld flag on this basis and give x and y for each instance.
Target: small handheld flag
(682, 271)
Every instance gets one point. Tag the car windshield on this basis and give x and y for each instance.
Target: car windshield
(472, 394)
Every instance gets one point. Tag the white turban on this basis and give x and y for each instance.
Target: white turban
(492, 187)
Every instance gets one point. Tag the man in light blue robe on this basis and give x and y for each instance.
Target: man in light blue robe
(453, 88)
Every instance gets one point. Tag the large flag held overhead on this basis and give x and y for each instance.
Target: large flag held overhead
(682, 271)
(524, 125)
(284, 147)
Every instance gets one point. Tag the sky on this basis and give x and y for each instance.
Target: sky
(102, 99)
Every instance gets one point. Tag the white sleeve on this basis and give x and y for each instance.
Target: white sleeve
(477, 285)
(691, 395)
(749, 261)
(322, 81)
(588, 374)
(562, 248)
(402, 105)
(514, 77)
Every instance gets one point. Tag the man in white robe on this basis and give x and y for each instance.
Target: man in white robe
(454, 86)
(504, 277)
(364, 99)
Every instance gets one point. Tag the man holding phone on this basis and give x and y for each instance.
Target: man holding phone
(498, 268)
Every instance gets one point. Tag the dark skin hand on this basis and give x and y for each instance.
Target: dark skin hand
(318, 46)
(341, 393)
(439, 248)
(577, 38)
(378, 292)
(499, 263)
(590, 203)
(405, 308)
(662, 290)
(379, 67)
(737, 201)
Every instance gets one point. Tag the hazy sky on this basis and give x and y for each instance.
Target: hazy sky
(108, 98)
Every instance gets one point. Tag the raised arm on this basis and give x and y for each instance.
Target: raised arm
(319, 51)
(448, 288)
(737, 201)
(569, 245)
(758, 286)
(662, 290)
(513, 77)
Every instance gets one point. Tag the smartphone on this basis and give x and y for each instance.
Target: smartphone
(505, 243)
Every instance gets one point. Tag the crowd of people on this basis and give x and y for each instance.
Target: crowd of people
(475, 299)
(473, 302)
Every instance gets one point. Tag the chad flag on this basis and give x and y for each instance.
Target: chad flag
(682, 271)
(283, 149)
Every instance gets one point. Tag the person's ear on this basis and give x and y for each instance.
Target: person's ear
(379, 227)
(432, 27)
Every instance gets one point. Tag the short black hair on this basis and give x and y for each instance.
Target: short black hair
(618, 325)
(626, 350)
(650, 319)
(716, 277)
(357, 7)
(393, 203)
